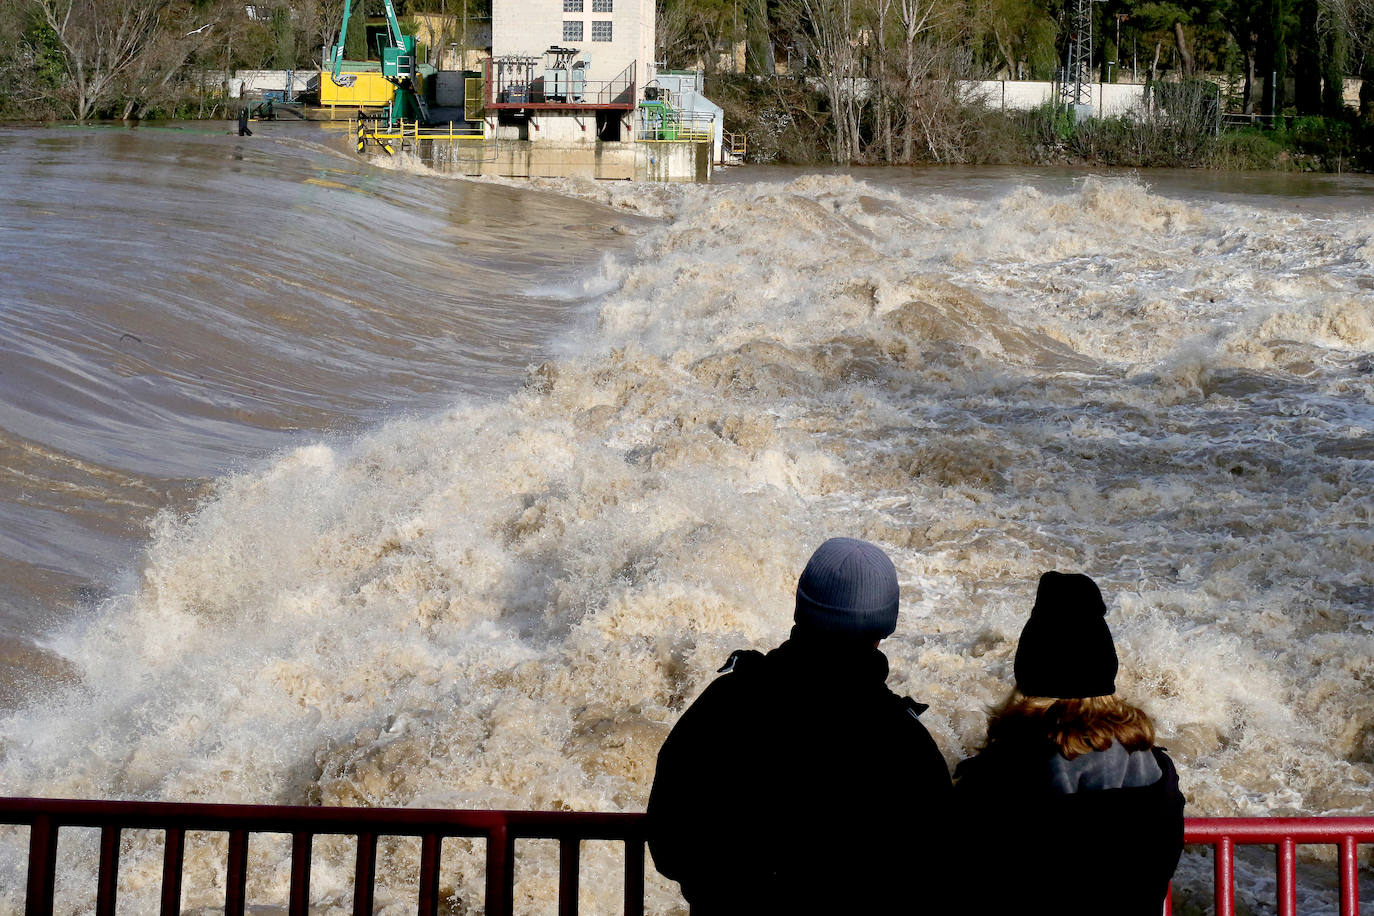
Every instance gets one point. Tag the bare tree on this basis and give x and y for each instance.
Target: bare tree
(881, 12)
(918, 18)
(103, 42)
(826, 28)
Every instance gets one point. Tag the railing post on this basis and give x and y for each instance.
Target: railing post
(1286, 863)
(171, 871)
(569, 864)
(42, 866)
(299, 903)
(236, 877)
(107, 878)
(634, 875)
(364, 874)
(1350, 877)
(429, 875)
(500, 870)
(1225, 877)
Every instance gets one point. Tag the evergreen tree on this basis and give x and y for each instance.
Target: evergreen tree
(283, 40)
(1334, 60)
(355, 44)
(1308, 61)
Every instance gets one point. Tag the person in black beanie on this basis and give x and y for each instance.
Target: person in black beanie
(1070, 804)
(798, 782)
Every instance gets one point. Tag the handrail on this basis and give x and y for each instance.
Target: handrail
(45, 817)
(1223, 834)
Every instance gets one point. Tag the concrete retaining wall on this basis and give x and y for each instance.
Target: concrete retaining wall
(248, 81)
(525, 159)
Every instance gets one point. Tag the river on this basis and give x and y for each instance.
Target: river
(331, 483)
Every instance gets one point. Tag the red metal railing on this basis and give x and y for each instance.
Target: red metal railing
(45, 817)
(1223, 834)
(501, 829)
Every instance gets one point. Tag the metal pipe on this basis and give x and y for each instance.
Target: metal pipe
(299, 903)
(107, 878)
(42, 866)
(1350, 877)
(500, 889)
(1286, 864)
(569, 862)
(430, 848)
(1225, 877)
(634, 876)
(236, 876)
(172, 854)
(364, 874)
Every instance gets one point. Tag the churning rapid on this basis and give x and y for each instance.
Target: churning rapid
(507, 603)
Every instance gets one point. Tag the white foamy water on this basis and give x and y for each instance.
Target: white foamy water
(508, 603)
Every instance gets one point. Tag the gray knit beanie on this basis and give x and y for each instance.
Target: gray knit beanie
(849, 588)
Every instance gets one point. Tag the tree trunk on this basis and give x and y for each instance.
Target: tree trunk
(1185, 58)
(1248, 99)
(1367, 85)
(883, 90)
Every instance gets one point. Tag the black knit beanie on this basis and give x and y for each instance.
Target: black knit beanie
(1066, 647)
(849, 588)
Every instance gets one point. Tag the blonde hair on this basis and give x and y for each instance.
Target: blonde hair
(1075, 726)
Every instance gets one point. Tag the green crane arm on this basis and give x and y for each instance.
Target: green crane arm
(393, 25)
(337, 52)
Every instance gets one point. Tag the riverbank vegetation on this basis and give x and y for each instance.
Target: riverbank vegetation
(1225, 83)
(84, 59)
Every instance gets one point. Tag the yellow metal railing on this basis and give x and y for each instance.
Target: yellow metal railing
(414, 130)
(403, 131)
(734, 145)
(671, 125)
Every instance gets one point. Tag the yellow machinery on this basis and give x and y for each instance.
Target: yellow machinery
(369, 88)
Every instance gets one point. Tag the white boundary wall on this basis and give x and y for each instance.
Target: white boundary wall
(1109, 100)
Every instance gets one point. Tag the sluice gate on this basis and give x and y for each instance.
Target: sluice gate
(501, 829)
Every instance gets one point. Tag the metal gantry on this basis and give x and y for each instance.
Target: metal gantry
(1075, 83)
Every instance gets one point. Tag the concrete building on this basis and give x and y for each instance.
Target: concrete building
(609, 36)
(563, 92)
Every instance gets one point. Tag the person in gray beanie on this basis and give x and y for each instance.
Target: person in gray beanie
(798, 782)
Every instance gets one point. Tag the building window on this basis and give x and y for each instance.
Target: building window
(600, 6)
(601, 31)
(572, 31)
(572, 6)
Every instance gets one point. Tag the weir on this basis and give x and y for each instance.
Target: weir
(501, 829)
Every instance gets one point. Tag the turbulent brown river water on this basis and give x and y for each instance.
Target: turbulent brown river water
(328, 483)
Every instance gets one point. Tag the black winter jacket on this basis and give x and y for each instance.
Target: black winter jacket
(1028, 848)
(798, 783)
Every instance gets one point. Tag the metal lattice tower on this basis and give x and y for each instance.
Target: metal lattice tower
(1075, 84)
